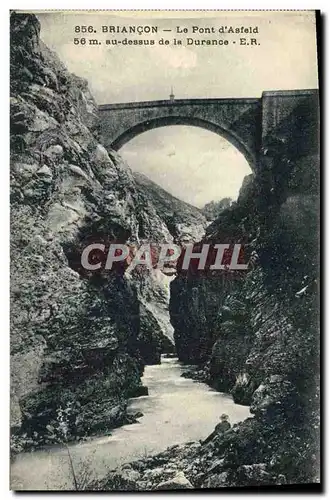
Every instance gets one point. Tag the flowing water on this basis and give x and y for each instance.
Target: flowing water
(177, 410)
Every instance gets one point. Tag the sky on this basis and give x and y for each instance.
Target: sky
(193, 164)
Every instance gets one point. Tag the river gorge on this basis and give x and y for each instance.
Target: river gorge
(92, 351)
(177, 410)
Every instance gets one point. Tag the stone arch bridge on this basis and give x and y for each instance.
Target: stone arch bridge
(246, 123)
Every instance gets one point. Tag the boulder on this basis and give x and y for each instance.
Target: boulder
(119, 482)
(216, 466)
(243, 388)
(130, 474)
(253, 475)
(216, 481)
(178, 482)
(271, 394)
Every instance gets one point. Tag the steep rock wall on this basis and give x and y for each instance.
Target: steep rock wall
(258, 336)
(75, 336)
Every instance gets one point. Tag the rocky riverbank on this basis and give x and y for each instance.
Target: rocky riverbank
(203, 466)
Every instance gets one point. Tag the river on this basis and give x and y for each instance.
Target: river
(177, 410)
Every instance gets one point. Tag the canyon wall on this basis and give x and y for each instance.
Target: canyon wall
(79, 340)
(256, 334)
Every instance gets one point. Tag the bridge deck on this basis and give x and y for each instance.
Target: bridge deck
(212, 100)
(180, 102)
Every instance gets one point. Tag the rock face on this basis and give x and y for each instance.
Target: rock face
(78, 340)
(213, 209)
(256, 336)
(185, 222)
(156, 331)
(72, 345)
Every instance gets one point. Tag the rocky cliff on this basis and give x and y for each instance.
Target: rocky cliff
(257, 336)
(213, 209)
(185, 222)
(79, 340)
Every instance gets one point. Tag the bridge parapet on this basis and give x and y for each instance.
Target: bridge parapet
(178, 102)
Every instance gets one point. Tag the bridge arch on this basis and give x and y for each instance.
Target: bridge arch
(245, 122)
(164, 121)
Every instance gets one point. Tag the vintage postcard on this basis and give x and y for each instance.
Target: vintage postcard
(164, 250)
